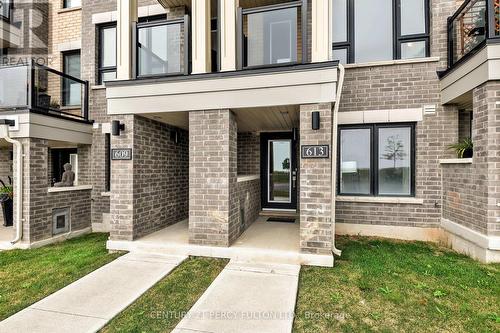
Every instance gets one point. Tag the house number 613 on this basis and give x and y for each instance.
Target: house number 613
(316, 151)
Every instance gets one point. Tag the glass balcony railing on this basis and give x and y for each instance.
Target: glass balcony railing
(473, 24)
(162, 48)
(44, 90)
(272, 35)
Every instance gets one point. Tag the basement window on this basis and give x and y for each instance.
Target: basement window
(377, 160)
(60, 221)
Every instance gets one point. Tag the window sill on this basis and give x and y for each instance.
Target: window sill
(381, 200)
(456, 161)
(247, 178)
(69, 188)
(68, 10)
(105, 194)
(393, 62)
(98, 87)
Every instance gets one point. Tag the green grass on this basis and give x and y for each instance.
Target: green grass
(162, 307)
(26, 276)
(388, 286)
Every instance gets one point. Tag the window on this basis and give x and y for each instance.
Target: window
(5, 7)
(71, 90)
(72, 3)
(377, 160)
(59, 157)
(367, 30)
(107, 156)
(107, 53)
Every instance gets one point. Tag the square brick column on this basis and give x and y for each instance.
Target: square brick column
(213, 206)
(315, 183)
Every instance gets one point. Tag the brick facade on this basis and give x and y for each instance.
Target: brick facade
(248, 153)
(213, 203)
(315, 183)
(150, 191)
(38, 203)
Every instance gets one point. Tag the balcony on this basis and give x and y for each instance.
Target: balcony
(475, 23)
(473, 51)
(43, 90)
(272, 35)
(163, 48)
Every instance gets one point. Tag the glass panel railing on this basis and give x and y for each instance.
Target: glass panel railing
(161, 48)
(14, 87)
(42, 89)
(272, 35)
(475, 22)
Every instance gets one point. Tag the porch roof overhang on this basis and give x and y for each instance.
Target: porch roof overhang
(251, 88)
(34, 125)
(457, 83)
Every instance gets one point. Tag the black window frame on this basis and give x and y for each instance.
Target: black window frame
(374, 153)
(65, 80)
(65, 5)
(107, 156)
(100, 53)
(398, 39)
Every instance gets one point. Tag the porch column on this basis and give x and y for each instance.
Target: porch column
(315, 183)
(228, 17)
(321, 31)
(127, 16)
(213, 206)
(201, 46)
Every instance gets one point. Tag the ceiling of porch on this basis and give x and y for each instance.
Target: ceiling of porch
(274, 118)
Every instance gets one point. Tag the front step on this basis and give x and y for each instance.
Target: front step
(279, 213)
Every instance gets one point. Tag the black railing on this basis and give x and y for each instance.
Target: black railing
(44, 90)
(162, 48)
(273, 35)
(474, 24)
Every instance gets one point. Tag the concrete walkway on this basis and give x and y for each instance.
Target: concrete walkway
(246, 298)
(89, 303)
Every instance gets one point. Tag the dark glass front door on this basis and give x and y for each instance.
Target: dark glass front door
(279, 171)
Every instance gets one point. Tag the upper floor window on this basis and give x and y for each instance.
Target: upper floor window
(72, 3)
(107, 53)
(72, 90)
(5, 7)
(377, 160)
(367, 30)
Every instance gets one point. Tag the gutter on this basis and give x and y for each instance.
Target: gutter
(340, 85)
(18, 189)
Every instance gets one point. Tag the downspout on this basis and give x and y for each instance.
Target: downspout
(340, 85)
(18, 190)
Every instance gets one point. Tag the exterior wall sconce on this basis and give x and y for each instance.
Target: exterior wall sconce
(315, 120)
(174, 136)
(295, 133)
(116, 127)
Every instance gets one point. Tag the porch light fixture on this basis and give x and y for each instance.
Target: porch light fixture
(315, 120)
(174, 136)
(116, 127)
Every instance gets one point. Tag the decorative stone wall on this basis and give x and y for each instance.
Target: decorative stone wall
(150, 191)
(315, 183)
(213, 200)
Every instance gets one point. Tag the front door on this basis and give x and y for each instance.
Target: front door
(279, 171)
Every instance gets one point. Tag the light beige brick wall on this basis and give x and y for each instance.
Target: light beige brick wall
(315, 183)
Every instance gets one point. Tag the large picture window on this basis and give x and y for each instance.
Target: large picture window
(72, 90)
(107, 53)
(377, 160)
(368, 31)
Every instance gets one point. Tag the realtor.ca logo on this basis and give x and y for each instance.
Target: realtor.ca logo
(27, 34)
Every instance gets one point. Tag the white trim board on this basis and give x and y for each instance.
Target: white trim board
(380, 116)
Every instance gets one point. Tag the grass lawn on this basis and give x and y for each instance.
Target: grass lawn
(389, 286)
(162, 307)
(26, 276)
